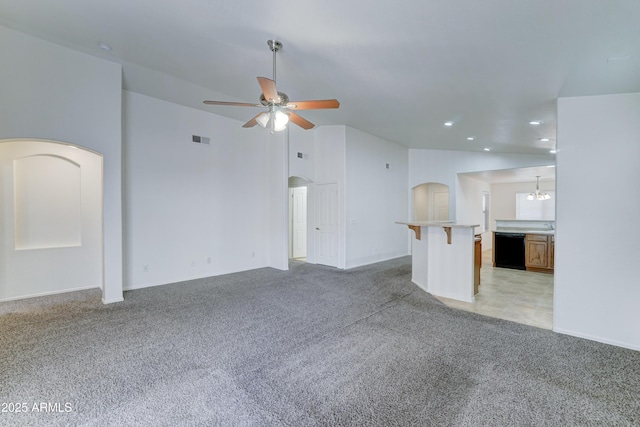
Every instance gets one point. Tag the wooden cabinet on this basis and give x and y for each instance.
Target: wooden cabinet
(539, 250)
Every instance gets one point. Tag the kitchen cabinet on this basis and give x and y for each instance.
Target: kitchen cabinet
(539, 252)
(477, 263)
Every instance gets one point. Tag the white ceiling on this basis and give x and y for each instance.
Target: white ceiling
(400, 69)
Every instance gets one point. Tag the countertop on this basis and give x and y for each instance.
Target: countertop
(525, 231)
(437, 224)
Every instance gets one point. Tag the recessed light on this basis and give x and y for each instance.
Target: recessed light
(487, 149)
(552, 151)
(544, 139)
(104, 46)
(470, 138)
(448, 123)
(535, 122)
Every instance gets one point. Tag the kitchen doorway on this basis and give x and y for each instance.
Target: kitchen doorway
(512, 294)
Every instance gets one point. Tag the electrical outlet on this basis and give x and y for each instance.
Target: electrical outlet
(208, 260)
(145, 269)
(193, 263)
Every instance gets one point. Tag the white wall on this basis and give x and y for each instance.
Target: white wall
(277, 190)
(51, 92)
(503, 197)
(303, 141)
(597, 280)
(376, 197)
(192, 210)
(443, 166)
(469, 193)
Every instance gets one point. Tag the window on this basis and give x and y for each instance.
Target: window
(485, 211)
(536, 209)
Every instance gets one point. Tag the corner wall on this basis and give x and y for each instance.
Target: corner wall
(376, 197)
(55, 93)
(597, 280)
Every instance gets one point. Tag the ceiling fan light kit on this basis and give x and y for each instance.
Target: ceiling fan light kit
(278, 113)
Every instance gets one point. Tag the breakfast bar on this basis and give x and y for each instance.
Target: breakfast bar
(443, 258)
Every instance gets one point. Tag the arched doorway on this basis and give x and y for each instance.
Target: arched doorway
(298, 218)
(51, 197)
(430, 202)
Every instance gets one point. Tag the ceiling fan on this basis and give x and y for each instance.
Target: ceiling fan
(278, 105)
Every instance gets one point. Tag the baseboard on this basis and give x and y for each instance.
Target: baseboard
(597, 339)
(111, 301)
(44, 294)
(371, 260)
(131, 287)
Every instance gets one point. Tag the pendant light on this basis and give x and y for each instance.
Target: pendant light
(538, 195)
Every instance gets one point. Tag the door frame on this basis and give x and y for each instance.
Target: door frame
(293, 181)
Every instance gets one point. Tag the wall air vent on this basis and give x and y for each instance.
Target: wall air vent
(200, 139)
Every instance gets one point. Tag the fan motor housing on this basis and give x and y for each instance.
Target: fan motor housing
(284, 100)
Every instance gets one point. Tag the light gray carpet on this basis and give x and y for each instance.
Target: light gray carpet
(313, 346)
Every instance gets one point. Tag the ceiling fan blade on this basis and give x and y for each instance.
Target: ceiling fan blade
(233, 104)
(313, 105)
(251, 123)
(302, 122)
(269, 90)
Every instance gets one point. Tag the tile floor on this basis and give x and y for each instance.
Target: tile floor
(519, 296)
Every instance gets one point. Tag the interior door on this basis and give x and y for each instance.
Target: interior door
(441, 206)
(327, 224)
(299, 219)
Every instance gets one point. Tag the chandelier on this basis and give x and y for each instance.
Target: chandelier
(538, 195)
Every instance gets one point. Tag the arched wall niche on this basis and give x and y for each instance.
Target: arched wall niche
(51, 216)
(47, 202)
(430, 202)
